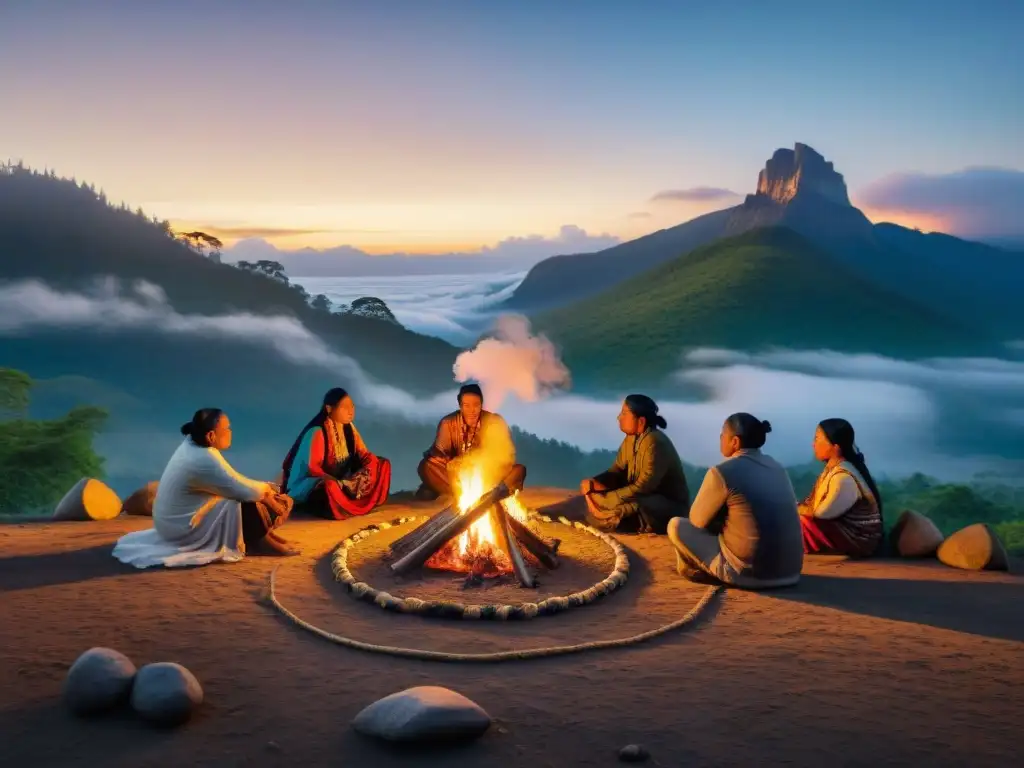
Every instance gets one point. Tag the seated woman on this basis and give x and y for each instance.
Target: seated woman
(645, 487)
(205, 511)
(743, 529)
(329, 468)
(843, 513)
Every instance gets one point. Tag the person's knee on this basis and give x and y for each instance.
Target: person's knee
(675, 527)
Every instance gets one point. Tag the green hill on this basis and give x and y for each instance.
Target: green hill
(65, 234)
(764, 288)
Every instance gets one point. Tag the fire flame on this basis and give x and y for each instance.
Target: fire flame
(481, 533)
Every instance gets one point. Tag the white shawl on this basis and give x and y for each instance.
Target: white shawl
(197, 513)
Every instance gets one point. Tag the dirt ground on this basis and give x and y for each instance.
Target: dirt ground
(863, 664)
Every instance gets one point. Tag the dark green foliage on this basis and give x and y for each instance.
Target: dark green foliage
(768, 287)
(15, 387)
(321, 303)
(371, 306)
(41, 459)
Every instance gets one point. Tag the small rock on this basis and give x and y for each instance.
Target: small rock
(273, 746)
(100, 679)
(166, 693)
(974, 548)
(633, 753)
(141, 502)
(914, 535)
(424, 713)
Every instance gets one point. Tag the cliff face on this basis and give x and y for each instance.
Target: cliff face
(797, 172)
(801, 190)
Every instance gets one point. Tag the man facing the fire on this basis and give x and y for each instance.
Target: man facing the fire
(469, 436)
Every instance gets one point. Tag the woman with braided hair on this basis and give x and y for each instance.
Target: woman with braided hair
(329, 469)
(843, 513)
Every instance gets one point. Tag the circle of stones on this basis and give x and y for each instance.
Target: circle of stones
(495, 611)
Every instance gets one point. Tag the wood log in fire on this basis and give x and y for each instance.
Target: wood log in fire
(534, 544)
(448, 529)
(507, 542)
(409, 542)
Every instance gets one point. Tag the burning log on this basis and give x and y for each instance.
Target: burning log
(421, 533)
(444, 530)
(534, 544)
(507, 541)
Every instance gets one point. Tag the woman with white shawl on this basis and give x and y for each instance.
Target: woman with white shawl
(205, 511)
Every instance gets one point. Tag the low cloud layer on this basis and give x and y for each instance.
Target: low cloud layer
(455, 307)
(896, 406)
(114, 305)
(974, 202)
(695, 195)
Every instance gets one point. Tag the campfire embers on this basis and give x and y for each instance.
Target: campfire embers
(483, 535)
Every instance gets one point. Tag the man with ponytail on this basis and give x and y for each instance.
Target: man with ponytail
(843, 513)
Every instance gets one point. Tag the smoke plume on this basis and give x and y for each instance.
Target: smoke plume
(513, 361)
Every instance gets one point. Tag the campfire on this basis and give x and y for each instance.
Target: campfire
(484, 535)
(477, 550)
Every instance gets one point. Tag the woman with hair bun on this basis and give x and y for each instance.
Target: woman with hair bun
(843, 513)
(205, 511)
(743, 529)
(645, 487)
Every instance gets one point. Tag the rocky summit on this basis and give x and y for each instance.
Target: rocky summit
(797, 172)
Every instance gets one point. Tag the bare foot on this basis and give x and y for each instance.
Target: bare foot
(273, 544)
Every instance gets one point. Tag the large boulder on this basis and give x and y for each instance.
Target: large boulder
(166, 693)
(425, 713)
(141, 502)
(89, 499)
(915, 535)
(99, 680)
(974, 548)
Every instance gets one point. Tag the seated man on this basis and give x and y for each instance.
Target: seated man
(645, 487)
(469, 434)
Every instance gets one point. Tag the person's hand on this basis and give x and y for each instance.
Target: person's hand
(586, 486)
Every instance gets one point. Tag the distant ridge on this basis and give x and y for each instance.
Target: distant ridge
(769, 287)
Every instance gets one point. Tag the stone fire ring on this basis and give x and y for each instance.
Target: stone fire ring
(500, 612)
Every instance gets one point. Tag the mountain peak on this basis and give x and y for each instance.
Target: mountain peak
(792, 173)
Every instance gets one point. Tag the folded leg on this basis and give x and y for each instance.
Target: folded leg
(698, 553)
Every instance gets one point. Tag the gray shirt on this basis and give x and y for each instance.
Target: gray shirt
(749, 501)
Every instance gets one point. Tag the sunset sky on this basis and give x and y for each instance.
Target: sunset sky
(442, 125)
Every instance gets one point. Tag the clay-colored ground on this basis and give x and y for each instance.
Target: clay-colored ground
(864, 664)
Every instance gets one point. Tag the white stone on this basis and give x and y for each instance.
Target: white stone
(100, 679)
(424, 713)
(166, 693)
